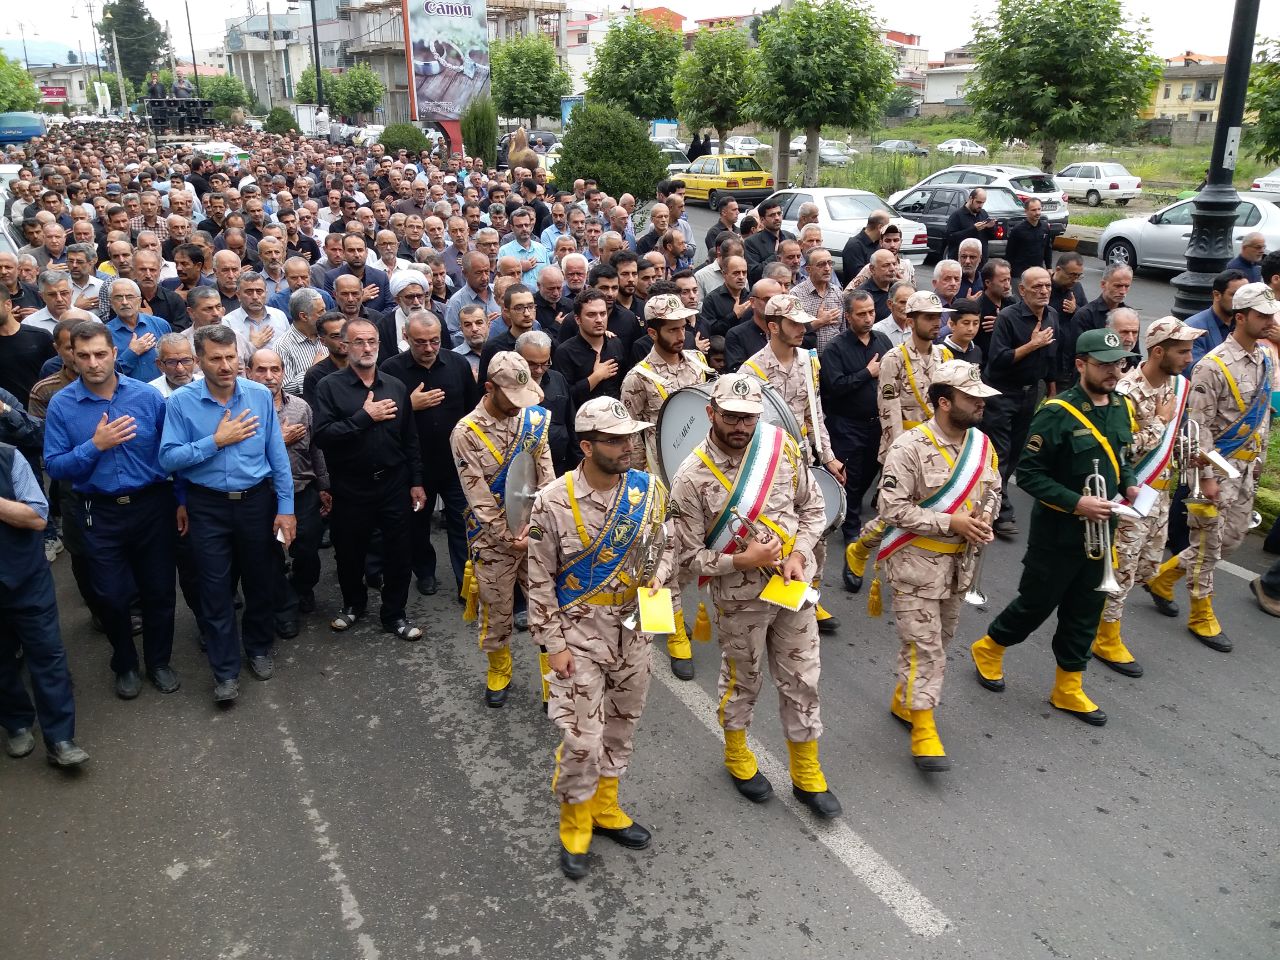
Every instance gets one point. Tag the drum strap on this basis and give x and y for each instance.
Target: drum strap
(646, 371)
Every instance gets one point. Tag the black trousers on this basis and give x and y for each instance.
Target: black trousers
(29, 623)
(1006, 421)
(189, 583)
(132, 545)
(229, 536)
(73, 540)
(304, 555)
(1179, 534)
(448, 488)
(362, 505)
(858, 449)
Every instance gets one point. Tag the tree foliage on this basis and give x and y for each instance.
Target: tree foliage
(17, 91)
(479, 124)
(72, 58)
(1264, 99)
(820, 63)
(304, 89)
(139, 36)
(404, 136)
(712, 81)
(899, 102)
(1063, 71)
(280, 121)
(606, 143)
(527, 79)
(358, 90)
(224, 91)
(633, 68)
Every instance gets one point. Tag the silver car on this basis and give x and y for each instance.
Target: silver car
(1160, 240)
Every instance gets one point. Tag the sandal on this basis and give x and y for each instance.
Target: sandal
(345, 620)
(404, 629)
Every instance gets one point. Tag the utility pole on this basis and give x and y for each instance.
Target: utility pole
(115, 50)
(191, 40)
(315, 57)
(97, 44)
(22, 29)
(173, 65)
(271, 59)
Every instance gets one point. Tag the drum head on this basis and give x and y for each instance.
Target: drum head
(521, 486)
(682, 425)
(779, 414)
(833, 499)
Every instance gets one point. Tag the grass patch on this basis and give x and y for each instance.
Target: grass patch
(1098, 218)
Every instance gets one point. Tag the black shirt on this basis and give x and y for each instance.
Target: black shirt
(451, 373)
(1028, 246)
(640, 349)
(354, 445)
(211, 226)
(1013, 329)
(21, 357)
(848, 391)
(988, 308)
(742, 343)
(311, 379)
(26, 296)
(717, 317)
(762, 245)
(1092, 316)
(881, 298)
(856, 255)
(709, 241)
(228, 303)
(168, 306)
(562, 441)
(961, 226)
(506, 340)
(622, 324)
(304, 247)
(547, 312)
(969, 286)
(575, 359)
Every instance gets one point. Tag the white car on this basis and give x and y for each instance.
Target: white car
(1268, 184)
(1025, 182)
(1095, 182)
(1160, 240)
(677, 162)
(799, 144)
(960, 147)
(842, 213)
(742, 145)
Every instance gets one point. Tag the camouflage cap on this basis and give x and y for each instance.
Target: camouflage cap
(1255, 296)
(738, 393)
(965, 377)
(787, 305)
(926, 301)
(667, 306)
(509, 372)
(1170, 328)
(606, 415)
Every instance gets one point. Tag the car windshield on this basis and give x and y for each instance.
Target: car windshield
(854, 206)
(1002, 203)
(1112, 170)
(672, 155)
(1035, 183)
(741, 165)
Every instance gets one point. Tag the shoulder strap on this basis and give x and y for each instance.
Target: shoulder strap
(1097, 434)
(481, 434)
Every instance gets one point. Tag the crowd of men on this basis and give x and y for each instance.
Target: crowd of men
(209, 373)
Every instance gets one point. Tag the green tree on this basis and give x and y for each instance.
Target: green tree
(1264, 99)
(899, 101)
(72, 57)
(358, 90)
(224, 91)
(404, 136)
(280, 121)
(527, 79)
(606, 143)
(633, 68)
(820, 63)
(17, 91)
(712, 81)
(479, 123)
(138, 34)
(1085, 84)
(304, 89)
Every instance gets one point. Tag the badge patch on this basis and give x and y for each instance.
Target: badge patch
(890, 482)
(1111, 339)
(1034, 443)
(889, 391)
(535, 533)
(521, 377)
(740, 388)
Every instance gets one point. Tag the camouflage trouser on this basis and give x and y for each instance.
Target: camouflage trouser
(597, 710)
(1139, 553)
(749, 634)
(1217, 530)
(497, 573)
(925, 627)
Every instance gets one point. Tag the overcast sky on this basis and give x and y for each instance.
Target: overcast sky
(1176, 25)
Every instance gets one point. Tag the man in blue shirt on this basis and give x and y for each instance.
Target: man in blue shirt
(223, 440)
(102, 434)
(1248, 261)
(1217, 319)
(476, 271)
(531, 253)
(134, 333)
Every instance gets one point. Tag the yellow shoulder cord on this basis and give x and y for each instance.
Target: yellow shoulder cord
(759, 373)
(497, 455)
(577, 514)
(1097, 434)
(911, 379)
(650, 374)
(1231, 381)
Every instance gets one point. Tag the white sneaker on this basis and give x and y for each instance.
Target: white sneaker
(52, 548)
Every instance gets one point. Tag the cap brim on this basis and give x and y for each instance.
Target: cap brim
(740, 406)
(527, 396)
(979, 390)
(628, 428)
(1111, 356)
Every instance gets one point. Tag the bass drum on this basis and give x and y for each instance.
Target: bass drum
(779, 414)
(833, 499)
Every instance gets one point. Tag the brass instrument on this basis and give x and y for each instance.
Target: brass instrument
(1187, 453)
(974, 595)
(1097, 533)
(755, 531)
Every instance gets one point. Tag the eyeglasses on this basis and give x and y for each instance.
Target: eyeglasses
(418, 297)
(425, 343)
(523, 307)
(1115, 364)
(364, 344)
(737, 419)
(179, 362)
(124, 297)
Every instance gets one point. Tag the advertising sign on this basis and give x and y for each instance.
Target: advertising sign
(50, 94)
(447, 45)
(566, 108)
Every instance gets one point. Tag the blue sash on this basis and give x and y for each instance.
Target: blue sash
(535, 423)
(610, 555)
(1243, 430)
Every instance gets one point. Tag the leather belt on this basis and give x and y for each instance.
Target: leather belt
(125, 497)
(232, 494)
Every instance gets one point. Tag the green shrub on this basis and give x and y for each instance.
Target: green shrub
(611, 146)
(479, 123)
(222, 114)
(280, 121)
(404, 136)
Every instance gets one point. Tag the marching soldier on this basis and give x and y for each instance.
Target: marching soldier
(597, 534)
(666, 368)
(507, 421)
(1082, 429)
(748, 516)
(906, 372)
(1157, 394)
(936, 495)
(1230, 399)
(792, 371)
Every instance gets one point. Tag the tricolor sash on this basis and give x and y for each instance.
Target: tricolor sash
(1156, 459)
(535, 422)
(1252, 416)
(965, 474)
(639, 504)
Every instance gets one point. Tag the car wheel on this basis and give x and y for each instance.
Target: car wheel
(1122, 252)
(1093, 198)
(1122, 203)
(713, 200)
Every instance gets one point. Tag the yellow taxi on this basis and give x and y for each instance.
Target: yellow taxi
(716, 178)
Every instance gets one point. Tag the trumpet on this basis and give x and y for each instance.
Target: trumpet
(1188, 455)
(974, 595)
(1097, 533)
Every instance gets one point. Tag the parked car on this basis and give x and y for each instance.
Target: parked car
(665, 143)
(743, 145)
(1025, 182)
(1160, 240)
(1269, 183)
(843, 212)
(677, 162)
(960, 147)
(1095, 182)
(714, 178)
(799, 144)
(933, 206)
(909, 147)
(549, 140)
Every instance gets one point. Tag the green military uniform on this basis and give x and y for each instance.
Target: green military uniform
(1061, 448)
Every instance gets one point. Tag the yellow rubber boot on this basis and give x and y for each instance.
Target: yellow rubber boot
(499, 676)
(605, 811)
(1204, 625)
(575, 838)
(808, 785)
(856, 556)
(1068, 695)
(738, 758)
(678, 642)
(544, 668)
(988, 657)
(826, 622)
(1166, 578)
(926, 748)
(1110, 649)
(898, 706)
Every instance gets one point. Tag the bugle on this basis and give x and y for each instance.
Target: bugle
(1097, 533)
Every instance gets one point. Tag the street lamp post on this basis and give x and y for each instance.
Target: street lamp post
(1211, 244)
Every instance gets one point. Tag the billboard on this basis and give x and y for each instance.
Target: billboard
(447, 45)
(50, 94)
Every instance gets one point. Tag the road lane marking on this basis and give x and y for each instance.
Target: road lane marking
(1243, 573)
(891, 887)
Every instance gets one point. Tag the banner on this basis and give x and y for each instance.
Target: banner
(447, 46)
(566, 109)
(103, 93)
(50, 94)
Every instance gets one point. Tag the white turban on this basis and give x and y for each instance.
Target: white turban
(405, 278)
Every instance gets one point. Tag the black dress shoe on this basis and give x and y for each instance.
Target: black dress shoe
(829, 626)
(307, 601)
(574, 865)
(264, 667)
(682, 669)
(824, 804)
(1095, 718)
(852, 582)
(995, 686)
(326, 541)
(128, 684)
(1221, 643)
(1005, 529)
(65, 753)
(226, 691)
(496, 698)
(373, 581)
(1132, 669)
(20, 743)
(1167, 607)
(164, 679)
(287, 629)
(634, 837)
(428, 586)
(758, 789)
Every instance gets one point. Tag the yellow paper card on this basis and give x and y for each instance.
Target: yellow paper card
(657, 614)
(782, 594)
